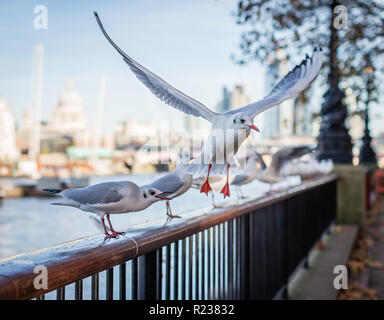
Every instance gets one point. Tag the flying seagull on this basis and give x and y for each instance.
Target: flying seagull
(176, 182)
(108, 198)
(230, 129)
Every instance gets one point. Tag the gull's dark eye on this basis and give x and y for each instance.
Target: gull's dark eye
(234, 120)
(144, 195)
(152, 193)
(242, 120)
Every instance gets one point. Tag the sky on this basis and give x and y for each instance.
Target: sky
(187, 43)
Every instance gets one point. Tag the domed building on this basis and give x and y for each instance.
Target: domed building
(68, 116)
(8, 150)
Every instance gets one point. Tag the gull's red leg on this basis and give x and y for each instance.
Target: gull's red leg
(225, 190)
(206, 187)
(107, 235)
(115, 233)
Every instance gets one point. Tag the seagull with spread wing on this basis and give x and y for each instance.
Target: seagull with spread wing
(229, 130)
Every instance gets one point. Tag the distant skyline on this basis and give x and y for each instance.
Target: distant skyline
(188, 43)
(193, 55)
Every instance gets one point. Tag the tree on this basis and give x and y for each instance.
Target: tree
(348, 32)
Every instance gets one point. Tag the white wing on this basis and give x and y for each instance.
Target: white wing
(161, 89)
(289, 87)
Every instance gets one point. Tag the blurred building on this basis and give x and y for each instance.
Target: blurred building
(132, 131)
(238, 98)
(233, 99)
(8, 150)
(66, 128)
(279, 121)
(68, 116)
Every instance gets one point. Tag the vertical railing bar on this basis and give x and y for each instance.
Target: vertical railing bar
(209, 262)
(251, 254)
(123, 280)
(219, 262)
(225, 260)
(197, 261)
(176, 270)
(159, 264)
(40, 297)
(183, 269)
(134, 279)
(60, 293)
(168, 272)
(238, 258)
(109, 286)
(215, 264)
(190, 266)
(203, 244)
(95, 286)
(230, 259)
(79, 289)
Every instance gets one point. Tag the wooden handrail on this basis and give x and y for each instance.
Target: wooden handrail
(83, 257)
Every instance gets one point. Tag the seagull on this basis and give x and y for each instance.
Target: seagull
(176, 182)
(230, 129)
(108, 198)
(249, 173)
(273, 173)
(308, 169)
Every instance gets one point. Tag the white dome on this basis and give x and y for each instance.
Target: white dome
(69, 97)
(68, 115)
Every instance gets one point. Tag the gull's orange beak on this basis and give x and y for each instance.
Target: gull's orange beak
(254, 128)
(161, 196)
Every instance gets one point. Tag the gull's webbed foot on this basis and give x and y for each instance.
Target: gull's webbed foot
(205, 187)
(225, 190)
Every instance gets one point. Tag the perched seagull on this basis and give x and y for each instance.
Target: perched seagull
(176, 182)
(308, 169)
(230, 129)
(215, 181)
(108, 198)
(249, 173)
(273, 173)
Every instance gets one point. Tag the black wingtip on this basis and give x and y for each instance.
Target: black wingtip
(52, 190)
(95, 13)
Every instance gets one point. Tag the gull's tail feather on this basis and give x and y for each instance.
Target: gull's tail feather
(66, 202)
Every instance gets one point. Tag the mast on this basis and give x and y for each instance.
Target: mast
(34, 137)
(99, 119)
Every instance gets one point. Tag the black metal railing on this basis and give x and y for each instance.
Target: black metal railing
(246, 251)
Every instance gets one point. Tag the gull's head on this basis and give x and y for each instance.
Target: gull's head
(150, 194)
(184, 157)
(242, 121)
